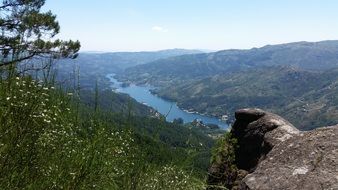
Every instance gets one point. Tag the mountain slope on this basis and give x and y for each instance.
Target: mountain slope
(95, 66)
(295, 94)
(122, 60)
(313, 56)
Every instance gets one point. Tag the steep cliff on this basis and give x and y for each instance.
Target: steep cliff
(271, 153)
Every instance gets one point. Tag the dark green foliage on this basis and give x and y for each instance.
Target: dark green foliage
(179, 121)
(223, 170)
(26, 33)
(224, 151)
(114, 102)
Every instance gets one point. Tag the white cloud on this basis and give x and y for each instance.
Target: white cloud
(159, 29)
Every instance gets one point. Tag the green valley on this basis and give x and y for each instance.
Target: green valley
(296, 80)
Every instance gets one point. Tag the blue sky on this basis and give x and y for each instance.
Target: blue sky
(136, 25)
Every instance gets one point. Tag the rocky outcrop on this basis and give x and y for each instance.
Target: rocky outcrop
(257, 133)
(273, 154)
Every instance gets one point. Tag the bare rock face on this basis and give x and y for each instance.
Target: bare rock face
(273, 154)
(309, 161)
(257, 133)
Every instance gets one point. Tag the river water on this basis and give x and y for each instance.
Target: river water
(142, 94)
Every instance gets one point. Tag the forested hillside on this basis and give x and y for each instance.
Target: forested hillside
(50, 140)
(306, 98)
(317, 56)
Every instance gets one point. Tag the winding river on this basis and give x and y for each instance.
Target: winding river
(142, 94)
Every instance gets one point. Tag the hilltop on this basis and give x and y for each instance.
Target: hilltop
(314, 56)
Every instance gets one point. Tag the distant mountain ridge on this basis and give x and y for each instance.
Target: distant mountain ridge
(314, 56)
(124, 60)
(95, 66)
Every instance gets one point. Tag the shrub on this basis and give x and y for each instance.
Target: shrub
(224, 171)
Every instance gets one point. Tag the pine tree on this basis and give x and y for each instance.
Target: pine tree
(27, 32)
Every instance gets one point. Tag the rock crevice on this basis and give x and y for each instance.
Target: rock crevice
(257, 132)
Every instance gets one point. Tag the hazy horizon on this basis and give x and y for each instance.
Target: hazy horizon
(203, 50)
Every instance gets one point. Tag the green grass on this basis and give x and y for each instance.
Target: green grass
(50, 141)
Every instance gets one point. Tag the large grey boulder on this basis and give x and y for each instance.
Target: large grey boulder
(273, 154)
(309, 161)
(257, 133)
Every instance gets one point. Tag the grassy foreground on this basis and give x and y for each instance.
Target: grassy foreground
(48, 140)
